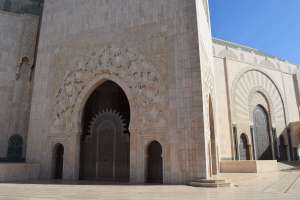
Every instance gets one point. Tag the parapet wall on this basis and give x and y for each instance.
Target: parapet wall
(251, 56)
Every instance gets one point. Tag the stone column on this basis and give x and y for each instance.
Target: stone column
(250, 149)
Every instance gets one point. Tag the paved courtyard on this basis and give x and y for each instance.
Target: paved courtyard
(281, 186)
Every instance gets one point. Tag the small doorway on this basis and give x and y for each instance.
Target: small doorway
(243, 148)
(58, 161)
(154, 163)
(282, 149)
(15, 149)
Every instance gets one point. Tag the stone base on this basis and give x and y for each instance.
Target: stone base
(211, 183)
(249, 166)
(10, 172)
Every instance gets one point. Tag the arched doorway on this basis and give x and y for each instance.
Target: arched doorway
(243, 148)
(15, 148)
(105, 142)
(58, 157)
(154, 163)
(213, 147)
(282, 149)
(262, 139)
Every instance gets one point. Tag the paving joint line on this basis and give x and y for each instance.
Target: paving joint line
(292, 184)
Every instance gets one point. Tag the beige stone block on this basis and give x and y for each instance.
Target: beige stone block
(248, 166)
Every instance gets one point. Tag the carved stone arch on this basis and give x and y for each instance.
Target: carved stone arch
(247, 69)
(155, 139)
(248, 138)
(266, 103)
(139, 79)
(244, 150)
(89, 89)
(247, 82)
(142, 82)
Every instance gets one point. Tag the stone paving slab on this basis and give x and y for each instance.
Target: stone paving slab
(275, 186)
(66, 192)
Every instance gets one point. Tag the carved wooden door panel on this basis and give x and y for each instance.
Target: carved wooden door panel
(106, 152)
(262, 144)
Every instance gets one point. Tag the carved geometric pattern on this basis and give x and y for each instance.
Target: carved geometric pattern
(107, 115)
(245, 89)
(140, 76)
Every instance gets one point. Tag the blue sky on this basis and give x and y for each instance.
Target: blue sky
(270, 26)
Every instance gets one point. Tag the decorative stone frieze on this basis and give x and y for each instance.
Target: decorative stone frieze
(140, 76)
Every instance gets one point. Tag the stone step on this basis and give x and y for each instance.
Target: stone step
(212, 183)
(210, 180)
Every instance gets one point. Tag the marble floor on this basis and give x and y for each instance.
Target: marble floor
(283, 185)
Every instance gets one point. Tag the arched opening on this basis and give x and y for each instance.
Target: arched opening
(282, 149)
(154, 163)
(15, 149)
(213, 147)
(262, 139)
(58, 158)
(244, 148)
(105, 142)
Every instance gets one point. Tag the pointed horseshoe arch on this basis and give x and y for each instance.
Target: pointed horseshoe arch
(249, 82)
(105, 138)
(244, 153)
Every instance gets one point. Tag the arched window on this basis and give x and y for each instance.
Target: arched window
(15, 148)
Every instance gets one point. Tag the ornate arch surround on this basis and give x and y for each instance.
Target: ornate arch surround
(246, 86)
(139, 79)
(89, 89)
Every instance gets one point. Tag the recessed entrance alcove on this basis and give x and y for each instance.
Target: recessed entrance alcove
(105, 139)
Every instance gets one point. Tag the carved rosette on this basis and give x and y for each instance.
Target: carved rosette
(140, 76)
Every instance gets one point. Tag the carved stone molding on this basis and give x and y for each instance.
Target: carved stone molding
(246, 86)
(144, 81)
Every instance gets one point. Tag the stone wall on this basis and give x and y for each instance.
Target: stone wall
(148, 48)
(17, 46)
(207, 84)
